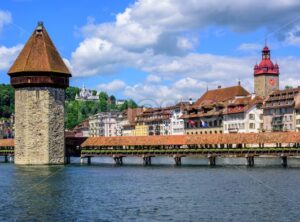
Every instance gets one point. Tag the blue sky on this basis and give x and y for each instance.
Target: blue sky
(158, 50)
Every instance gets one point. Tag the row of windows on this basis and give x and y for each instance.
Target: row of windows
(235, 126)
(279, 111)
(239, 126)
(205, 132)
(178, 130)
(287, 102)
(195, 124)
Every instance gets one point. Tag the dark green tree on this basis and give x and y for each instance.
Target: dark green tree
(71, 93)
(103, 99)
(7, 104)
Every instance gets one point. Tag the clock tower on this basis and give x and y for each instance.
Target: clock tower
(266, 75)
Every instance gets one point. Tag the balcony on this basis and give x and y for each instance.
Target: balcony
(233, 130)
(277, 123)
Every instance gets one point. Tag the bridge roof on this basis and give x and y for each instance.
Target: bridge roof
(7, 143)
(135, 141)
(245, 138)
(241, 138)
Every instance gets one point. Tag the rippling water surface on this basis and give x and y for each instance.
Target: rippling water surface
(107, 193)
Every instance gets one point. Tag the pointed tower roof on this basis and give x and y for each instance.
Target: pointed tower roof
(266, 65)
(39, 55)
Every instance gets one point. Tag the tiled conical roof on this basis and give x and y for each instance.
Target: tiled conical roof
(39, 55)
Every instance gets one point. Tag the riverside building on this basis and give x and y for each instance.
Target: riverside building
(206, 115)
(126, 122)
(161, 121)
(104, 124)
(243, 115)
(281, 110)
(297, 107)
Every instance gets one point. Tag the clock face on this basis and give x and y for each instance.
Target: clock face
(272, 82)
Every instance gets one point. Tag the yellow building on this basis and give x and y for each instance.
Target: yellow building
(141, 130)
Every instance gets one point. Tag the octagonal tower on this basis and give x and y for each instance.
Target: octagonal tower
(40, 78)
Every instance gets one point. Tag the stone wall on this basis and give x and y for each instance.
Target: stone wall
(39, 127)
(262, 85)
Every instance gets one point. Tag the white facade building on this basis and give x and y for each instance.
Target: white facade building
(104, 124)
(244, 115)
(177, 124)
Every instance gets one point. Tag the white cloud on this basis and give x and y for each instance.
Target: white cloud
(292, 37)
(159, 37)
(168, 28)
(162, 95)
(207, 67)
(5, 18)
(8, 55)
(226, 73)
(113, 86)
(249, 47)
(153, 79)
(96, 56)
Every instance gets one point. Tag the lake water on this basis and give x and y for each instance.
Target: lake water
(156, 193)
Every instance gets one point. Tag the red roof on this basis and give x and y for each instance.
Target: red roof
(240, 105)
(221, 95)
(266, 66)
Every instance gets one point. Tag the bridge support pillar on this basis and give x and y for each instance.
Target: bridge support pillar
(82, 160)
(10, 159)
(68, 160)
(284, 161)
(89, 160)
(211, 160)
(177, 160)
(250, 161)
(118, 160)
(147, 160)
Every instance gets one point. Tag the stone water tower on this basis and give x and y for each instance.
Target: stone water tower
(40, 78)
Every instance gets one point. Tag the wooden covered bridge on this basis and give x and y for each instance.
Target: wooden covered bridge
(281, 145)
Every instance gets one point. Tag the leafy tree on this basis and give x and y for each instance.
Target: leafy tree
(71, 93)
(112, 99)
(128, 104)
(7, 104)
(103, 99)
